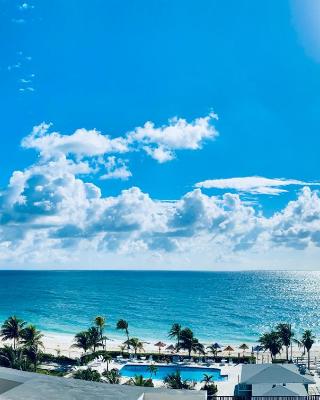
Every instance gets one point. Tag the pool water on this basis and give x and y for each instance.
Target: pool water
(190, 373)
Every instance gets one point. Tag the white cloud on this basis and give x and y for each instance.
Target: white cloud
(298, 224)
(160, 143)
(115, 169)
(52, 213)
(254, 184)
(81, 143)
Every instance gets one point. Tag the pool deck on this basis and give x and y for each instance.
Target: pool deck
(225, 388)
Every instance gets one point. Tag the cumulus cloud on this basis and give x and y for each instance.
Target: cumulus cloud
(298, 224)
(52, 211)
(254, 184)
(160, 143)
(81, 143)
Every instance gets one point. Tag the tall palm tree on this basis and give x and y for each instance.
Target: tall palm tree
(308, 340)
(11, 330)
(175, 332)
(124, 326)
(31, 339)
(271, 342)
(100, 323)
(122, 348)
(199, 348)
(188, 341)
(135, 343)
(286, 334)
(107, 358)
(95, 337)
(212, 348)
(82, 341)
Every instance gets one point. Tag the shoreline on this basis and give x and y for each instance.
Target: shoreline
(55, 343)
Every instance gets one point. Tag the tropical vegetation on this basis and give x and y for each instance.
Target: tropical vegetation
(174, 381)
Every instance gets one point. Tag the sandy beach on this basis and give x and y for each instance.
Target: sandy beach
(57, 343)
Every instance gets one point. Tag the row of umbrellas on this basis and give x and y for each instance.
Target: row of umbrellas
(228, 349)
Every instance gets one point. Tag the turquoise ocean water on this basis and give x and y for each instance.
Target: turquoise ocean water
(219, 306)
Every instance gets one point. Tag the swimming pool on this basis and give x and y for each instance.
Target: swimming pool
(190, 373)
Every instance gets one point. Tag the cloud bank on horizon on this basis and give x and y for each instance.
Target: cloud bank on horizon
(52, 214)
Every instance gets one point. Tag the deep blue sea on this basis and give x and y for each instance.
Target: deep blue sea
(218, 306)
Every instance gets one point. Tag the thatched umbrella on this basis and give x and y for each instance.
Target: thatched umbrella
(159, 345)
(243, 347)
(171, 348)
(229, 349)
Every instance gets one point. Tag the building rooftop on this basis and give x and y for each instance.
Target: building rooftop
(273, 373)
(279, 390)
(17, 385)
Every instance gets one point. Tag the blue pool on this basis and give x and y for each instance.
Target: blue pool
(190, 373)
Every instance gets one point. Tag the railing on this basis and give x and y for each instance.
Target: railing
(311, 397)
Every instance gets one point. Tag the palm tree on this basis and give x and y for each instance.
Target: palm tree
(107, 358)
(153, 369)
(286, 334)
(122, 348)
(82, 341)
(188, 341)
(13, 358)
(124, 326)
(11, 330)
(212, 348)
(112, 377)
(199, 348)
(174, 381)
(100, 323)
(31, 339)
(175, 332)
(207, 378)
(308, 340)
(138, 380)
(135, 344)
(95, 337)
(271, 342)
(87, 375)
(211, 389)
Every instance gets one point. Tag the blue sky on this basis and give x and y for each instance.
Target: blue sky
(114, 65)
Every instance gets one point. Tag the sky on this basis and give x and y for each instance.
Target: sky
(160, 134)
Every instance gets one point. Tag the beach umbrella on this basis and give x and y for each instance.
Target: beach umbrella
(243, 347)
(216, 346)
(159, 345)
(171, 348)
(229, 349)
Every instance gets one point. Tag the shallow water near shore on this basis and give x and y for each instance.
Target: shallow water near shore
(219, 306)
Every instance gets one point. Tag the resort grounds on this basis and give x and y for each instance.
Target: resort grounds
(103, 358)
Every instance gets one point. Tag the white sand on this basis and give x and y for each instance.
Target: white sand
(62, 343)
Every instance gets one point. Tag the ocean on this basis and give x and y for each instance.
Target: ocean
(228, 307)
